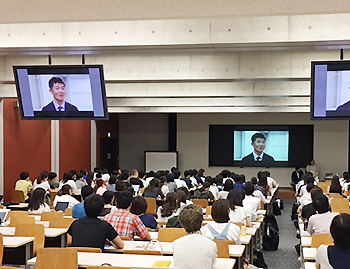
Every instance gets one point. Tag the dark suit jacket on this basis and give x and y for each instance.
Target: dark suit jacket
(267, 161)
(295, 178)
(68, 107)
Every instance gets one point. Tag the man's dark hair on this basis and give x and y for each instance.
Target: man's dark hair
(228, 185)
(52, 175)
(225, 173)
(125, 176)
(65, 189)
(139, 205)
(220, 211)
(321, 204)
(142, 174)
(93, 205)
(340, 230)
(54, 80)
(108, 197)
(86, 191)
(309, 187)
(256, 136)
(176, 174)
(297, 167)
(124, 199)
(112, 180)
(309, 179)
(187, 173)
(249, 188)
(170, 177)
(24, 175)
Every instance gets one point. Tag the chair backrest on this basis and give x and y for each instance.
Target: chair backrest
(1, 248)
(321, 239)
(124, 238)
(85, 249)
(57, 258)
(335, 195)
(52, 195)
(201, 202)
(68, 212)
(47, 216)
(106, 267)
(142, 252)
(21, 220)
(17, 196)
(347, 211)
(324, 186)
(262, 205)
(61, 222)
(17, 214)
(8, 267)
(170, 234)
(223, 250)
(208, 210)
(32, 230)
(151, 206)
(338, 204)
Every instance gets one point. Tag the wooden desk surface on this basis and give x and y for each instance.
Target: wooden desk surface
(309, 265)
(132, 261)
(49, 232)
(306, 241)
(16, 241)
(309, 254)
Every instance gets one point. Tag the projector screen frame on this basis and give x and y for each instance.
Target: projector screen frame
(163, 152)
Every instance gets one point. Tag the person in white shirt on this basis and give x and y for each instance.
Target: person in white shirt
(308, 179)
(238, 213)
(66, 192)
(227, 187)
(42, 181)
(179, 182)
(36, 204)
(170, 207)
(193, 250)
(68, 179)
(306, 198)
(251, 202)
(270, 181)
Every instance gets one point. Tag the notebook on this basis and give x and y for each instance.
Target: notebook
(161, 264)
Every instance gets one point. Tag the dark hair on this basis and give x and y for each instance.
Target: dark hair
(220, 211)
(235, 197)
(170, 177)
(154, 183)
(205, 185)
(67, 176)
(83, 171)
(316, 192)
(340, 230)
(112, 180)
(254, 180)
(228, 185)
(335, 186)
(256, 136)
(55, 80)
(120, 185)
(181, 196)
(108, 197)
(309, 187)
(124, 199)
(170, 205)
(187, 173)
(52, 175)
(42, 176)
(225, 173)
(321, 204)
(176, 174)
(249, 188)
(124, 176)
(139, 205)
(194, 172)
(201, 172)
(37, 199)
(191, 218)
(90, 178)
(65, 189)
(142, 174)
(262, 180)
(24, 175)
(99, 183)
(86, 191)
(93, 205)
(309, 179)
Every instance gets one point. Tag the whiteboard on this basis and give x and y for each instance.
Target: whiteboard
(160, 160)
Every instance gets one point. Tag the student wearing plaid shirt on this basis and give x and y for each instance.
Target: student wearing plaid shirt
(124, 222)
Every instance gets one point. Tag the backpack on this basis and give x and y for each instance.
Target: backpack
(271, 233)
(276, 209)
(258, 259)
(173, 222)
(218, 236)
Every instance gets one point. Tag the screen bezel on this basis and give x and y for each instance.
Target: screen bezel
(335, 65)
(62, 69)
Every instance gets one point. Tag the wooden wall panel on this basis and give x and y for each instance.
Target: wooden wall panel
(75, 145)
(27, 146)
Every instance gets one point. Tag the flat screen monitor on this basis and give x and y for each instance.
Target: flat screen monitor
(330, 90)
(61, 92)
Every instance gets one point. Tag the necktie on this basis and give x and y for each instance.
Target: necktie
(258, 159)
(59, 108)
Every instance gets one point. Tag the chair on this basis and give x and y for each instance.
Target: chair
(107, 267)
(17, 214)
(346, 210)
(151, 206)
(240, 224)
(143, 252)
(208, 210)
(324, 186)
(86, 249)
(338, 204)
(170, 234)
(53, 194)
(32, 230)
(61, 222)
(57, 258)
(223, 250)
(47, 216)
(124, 238)
(321, 239)
(201, 202)
(1, 248)
(335, 195)
(15, 221)
(17, 196)
(68, 212)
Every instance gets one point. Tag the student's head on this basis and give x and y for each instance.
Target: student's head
(57, 89)
(176, 174)
(44, 175)
(194, 172)
(312, 162)
(309, 179)
(24, 175)
(93, 205)
(249, 188)
(142, 174)
(309, 187)
(108, 196)
(258, 142)
(134, 173)
(37, 199)
(112, 180)
(66, 189)
(182, 196)
(124, 199)
(297, 168)
(321, 204)
(120, 185)
(99, 183)
(316, 192)
(340, 231)
(187, 173)
(139, 205)
(335, 186)
(235, 197)
(262, 179)
(228, 185)
(225, 173)
(191, 218)
(154, 183)
(86, 191)
(254, 180)
(67, 176)
(52, 175)
(170, 177)
(220, 211)
(201, 172)
(206, 185)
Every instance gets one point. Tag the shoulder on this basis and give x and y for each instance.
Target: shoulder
(267, 156)
(71, 107)
(248, 156)
(49, 106)
(345, 106)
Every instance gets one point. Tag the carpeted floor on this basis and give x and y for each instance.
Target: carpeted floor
(285, 257)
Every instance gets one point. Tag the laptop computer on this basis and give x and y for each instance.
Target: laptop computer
(61, 206)
(3, 215)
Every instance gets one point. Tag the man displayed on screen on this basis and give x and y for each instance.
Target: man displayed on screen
(58, 91)
(258, 157)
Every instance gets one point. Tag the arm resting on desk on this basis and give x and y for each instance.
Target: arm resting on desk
(118, 243)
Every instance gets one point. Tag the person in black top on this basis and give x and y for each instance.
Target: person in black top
(90, 231)
(134, 178)
(187, 179)
(296, 176)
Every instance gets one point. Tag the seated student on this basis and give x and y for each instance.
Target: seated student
(213, 187)
(68, 178)
(36, 204)
(42, 181)
(306, 198)
(78, 210)
(227, 187)
(170, 207)
(139, 207)
(153, 190)
(134, 178)
(111, 183)
(257, 193)
(337, 256)
(65, 195)
(90, 231)
(335, 186)
(193, 250)
(309, 210)
(302, 188)
(99, 187)
(204, 193)
(124, 222)
(182, 194)
(270, 181)
(250, 202)
(164, 185)
(52, 179)
(24, 184)
(262, 184)
(172, 186)
(108, 197)
(187, 179)
(178, 181)
(238, 213)
(321, 222)
(296, 177)
(80, 182)
(221, 228)
(239, 179)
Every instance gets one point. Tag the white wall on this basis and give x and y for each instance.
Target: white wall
(330, 141)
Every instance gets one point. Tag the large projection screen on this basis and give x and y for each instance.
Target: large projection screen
(160, 160)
